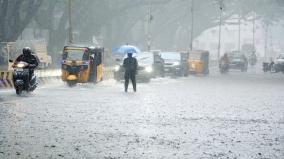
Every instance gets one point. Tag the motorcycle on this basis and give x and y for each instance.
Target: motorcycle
(224, 67)
(21, 78)
(268, 67)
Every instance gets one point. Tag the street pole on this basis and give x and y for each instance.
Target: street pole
(149, 38)
(265, 45)
(192, 24)
(239, 41)
(253, 31)
(220, 28)
(70, 21)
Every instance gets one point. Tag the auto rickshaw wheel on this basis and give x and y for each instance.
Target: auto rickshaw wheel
(71, 83)
(206, 72)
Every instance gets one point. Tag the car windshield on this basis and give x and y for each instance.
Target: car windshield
(75, 55)
(281, 56)
(170, 56)
(142, 58)
(194, 56)
(145, 58)
(235, 56)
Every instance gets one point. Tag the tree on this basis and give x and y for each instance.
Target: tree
(15, 15)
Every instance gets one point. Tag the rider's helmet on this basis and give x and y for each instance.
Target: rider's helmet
(27, 51)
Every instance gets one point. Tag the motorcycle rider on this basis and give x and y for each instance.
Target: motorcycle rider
(130, 65)
(29, 58)
(224, 61)
(252, 58)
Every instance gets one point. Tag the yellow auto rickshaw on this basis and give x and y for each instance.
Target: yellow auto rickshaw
(198, 62)
(82, 64)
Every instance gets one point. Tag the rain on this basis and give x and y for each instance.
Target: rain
(184, 79)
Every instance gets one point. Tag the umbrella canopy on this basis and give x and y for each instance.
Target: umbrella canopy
(126, 49)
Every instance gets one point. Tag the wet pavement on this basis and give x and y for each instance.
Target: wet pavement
(238, 115)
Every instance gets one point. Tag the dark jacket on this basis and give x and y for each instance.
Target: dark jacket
(32, 60)
(130, 64)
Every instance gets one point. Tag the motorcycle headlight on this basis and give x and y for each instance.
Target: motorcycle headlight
(116, 68)
(20, 65)
(65, 67)
(149, 69)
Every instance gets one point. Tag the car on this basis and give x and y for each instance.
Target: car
(149, 66)
(172, 63)
(238, 61)
(279, 64)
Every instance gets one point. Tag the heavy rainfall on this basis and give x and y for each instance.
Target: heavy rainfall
(147, 79)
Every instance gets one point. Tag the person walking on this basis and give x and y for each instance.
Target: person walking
(130, 65)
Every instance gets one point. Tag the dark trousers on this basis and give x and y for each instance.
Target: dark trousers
(130, 75)
(31, 74)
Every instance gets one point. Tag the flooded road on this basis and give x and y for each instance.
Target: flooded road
(238, 115)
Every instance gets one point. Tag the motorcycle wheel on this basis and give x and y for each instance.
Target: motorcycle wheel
(19, 91)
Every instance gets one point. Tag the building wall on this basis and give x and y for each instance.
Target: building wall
(229, 39)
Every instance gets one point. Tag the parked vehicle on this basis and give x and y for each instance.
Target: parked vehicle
(44, 58)
(82, 64)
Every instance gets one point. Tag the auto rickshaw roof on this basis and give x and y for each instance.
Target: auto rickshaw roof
(74, 48)
(82, 48)
(199, 52)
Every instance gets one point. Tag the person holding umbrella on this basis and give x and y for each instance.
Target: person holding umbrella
(130, 65)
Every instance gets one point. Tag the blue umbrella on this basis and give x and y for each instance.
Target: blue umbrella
(126, 49)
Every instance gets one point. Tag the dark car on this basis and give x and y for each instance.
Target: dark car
(278, 65)
(149, 66)
(238, 61)
(173, 63)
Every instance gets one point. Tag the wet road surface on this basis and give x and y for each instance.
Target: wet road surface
(238, 115)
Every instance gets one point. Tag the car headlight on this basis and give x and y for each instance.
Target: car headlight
(149, 69)
(116, 68)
